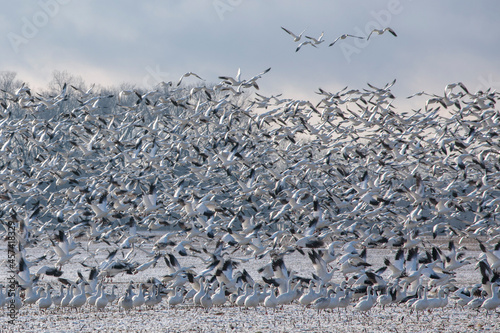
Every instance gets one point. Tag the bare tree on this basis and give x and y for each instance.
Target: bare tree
(59, 78)
(8, 83)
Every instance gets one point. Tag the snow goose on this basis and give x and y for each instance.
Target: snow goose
(366, 303)
(422, 303)
(126, 301)
(296, 38)
(252, 301)
(318, 40)
(201, 292)
(321, 267)
(304, 43)
(289, 296)
(493, 302)
(32, 295)
(62, 249)
(177, 299)
(206, 300)
(112, 297)
(102, 300)
(476, 302)
(381, 31)
(271, 301)
(45, 302)
(187, 75)
(310, 296)
(240, 301)
(80, 299)
(68, 297)
(323, 302)
(344, 36)
(92, 299)
(138, 300)
(219, 298)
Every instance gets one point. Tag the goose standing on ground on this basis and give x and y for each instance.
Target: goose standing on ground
(79, 299)
(102, 300)
(252, 301)
(494, 301)
(32, 295)
(270, 301)
(177, 299)
(422, 303)
(219, 298)
(45, 302)
(206, 300)
(126, 301)
(91, 299)
(138, 300)
(323, 302)
(68, 297)
(112, 297)
(58, 298)
(367, 302)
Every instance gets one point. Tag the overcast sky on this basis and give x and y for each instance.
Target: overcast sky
(145, 42)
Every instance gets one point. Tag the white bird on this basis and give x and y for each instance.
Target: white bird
(45, 302)
(186, 75)
(422, 303)
(323, 302)
(252, 301)
(177, 299)
(366, 303)
(219, 298)
(304, 43)
(68, 297)
(493, 302)
(296, 38)
(206, 301)
(380, 32)
(126, 301)
(318, 40)
(102, 300)
(271, 301)
(344, 37)
(80, 299)
(138, 300)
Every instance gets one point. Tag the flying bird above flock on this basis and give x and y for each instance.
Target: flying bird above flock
(317, 41)
(296, 38)
(344, 37)
(381, 31)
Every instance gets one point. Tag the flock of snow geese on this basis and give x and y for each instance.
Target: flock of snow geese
(222, 177)
(316, 41)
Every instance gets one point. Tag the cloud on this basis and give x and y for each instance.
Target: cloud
(117, 41)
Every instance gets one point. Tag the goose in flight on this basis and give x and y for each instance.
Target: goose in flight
(186, 75)
(380, 32)
(344, 37)
(317, 41)
(296, 38)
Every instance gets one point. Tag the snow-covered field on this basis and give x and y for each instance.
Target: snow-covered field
(229, 318)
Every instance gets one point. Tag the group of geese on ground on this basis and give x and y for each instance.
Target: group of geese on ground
(410, 281)
(211, 172)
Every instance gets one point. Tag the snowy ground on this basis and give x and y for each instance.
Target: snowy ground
(290, 318)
